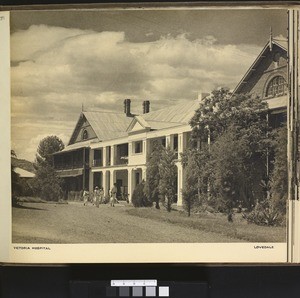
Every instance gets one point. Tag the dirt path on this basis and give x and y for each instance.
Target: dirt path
(75, 223)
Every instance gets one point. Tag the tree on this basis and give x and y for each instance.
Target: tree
(279, 176)
(139, 199)
(195, 178)
(46, 182)
(168, 179)
(15, 181)
(47, 147)
(151, 188)
(237, 128)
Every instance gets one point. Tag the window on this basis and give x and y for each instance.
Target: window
(276, 87)
(85, 135)
(138, 147)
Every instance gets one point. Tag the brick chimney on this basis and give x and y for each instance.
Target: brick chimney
(146, 106)
(127, 107)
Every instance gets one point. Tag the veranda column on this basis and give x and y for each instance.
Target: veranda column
(91, 181)
(144, 173)
(106, 184)
(179, 183)
(168, 141)
(112, 155)
(104, 156)
(130, 188)
(113, 178)
(91, 157)
(180, 143)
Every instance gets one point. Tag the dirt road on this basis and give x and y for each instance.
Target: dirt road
(75, 223)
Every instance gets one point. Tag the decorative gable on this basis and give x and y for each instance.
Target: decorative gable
(138, 124)
(83, 131)
(267, 76)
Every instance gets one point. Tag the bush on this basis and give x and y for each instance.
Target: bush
(139, 199)
(264, 214)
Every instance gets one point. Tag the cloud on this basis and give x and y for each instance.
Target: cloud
(56, 70)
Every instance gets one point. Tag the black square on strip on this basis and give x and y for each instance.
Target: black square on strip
(111, 292)
(124, 291)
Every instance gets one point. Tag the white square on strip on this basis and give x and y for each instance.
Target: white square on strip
(163, 291)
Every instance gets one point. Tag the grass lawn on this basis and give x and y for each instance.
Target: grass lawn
(216, 223)
(74, 223)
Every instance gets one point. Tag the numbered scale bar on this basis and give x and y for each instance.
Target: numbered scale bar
(134, 283)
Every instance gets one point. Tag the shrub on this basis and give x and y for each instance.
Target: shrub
(139, 199)
(264, 214)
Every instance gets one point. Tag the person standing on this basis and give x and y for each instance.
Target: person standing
(97, 196)
(113, 195)
(86, 197)
(101, 195)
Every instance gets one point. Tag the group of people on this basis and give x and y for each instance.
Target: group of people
(98, 196)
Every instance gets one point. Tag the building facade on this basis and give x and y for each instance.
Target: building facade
(107, 148)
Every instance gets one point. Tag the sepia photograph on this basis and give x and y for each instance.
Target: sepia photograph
(149, 126)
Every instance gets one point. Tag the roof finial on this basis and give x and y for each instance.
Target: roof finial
(82, 107)
(271, 39)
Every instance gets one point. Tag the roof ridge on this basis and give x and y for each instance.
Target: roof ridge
(107, 112)
(163, 121)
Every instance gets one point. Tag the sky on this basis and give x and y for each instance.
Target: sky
(63, 60)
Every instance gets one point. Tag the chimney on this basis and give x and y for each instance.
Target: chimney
(127, 107)
(146, 106)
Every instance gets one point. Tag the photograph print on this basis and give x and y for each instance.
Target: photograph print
(149, 126)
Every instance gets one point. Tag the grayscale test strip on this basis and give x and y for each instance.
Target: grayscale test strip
(138, 288)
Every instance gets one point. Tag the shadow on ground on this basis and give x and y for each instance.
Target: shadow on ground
(26, 207)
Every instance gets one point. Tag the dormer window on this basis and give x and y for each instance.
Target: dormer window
(276, 87)
(85, 135)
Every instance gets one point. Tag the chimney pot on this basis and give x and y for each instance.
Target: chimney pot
(146, 106)
(127, 107)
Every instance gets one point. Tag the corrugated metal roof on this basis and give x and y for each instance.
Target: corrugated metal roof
(173, 116)
(107, 125)
(281, 42)
(24, 173)
(161, 125)
(78, 145)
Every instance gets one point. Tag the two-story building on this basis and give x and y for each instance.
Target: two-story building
(107, 148)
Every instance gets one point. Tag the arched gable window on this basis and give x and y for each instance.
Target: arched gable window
(85, 135)
(276, 87)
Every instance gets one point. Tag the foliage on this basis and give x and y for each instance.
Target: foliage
(168, 176)
(46, 183)
(152, 173)
(195, 178)
(264, 214)
(15, 181)
(139, 199)
(47, 147)
(237, 132)
(279, 177)
(223, 109)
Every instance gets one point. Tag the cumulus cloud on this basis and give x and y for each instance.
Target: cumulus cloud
(56, 70)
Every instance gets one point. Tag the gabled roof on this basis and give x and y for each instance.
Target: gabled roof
(175, 115)
(141, 121)
(277, 42)
(108, 125)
